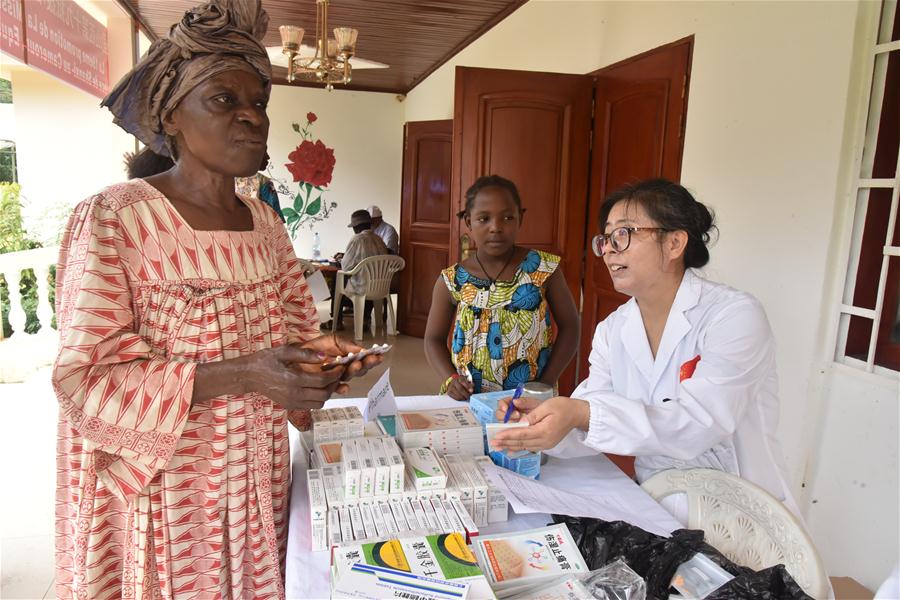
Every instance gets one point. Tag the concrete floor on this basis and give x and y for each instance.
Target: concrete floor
(27, 452)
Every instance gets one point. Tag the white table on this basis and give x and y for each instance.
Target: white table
(307, 573)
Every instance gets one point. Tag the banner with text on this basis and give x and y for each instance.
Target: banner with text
(11, 39)
(63, 40)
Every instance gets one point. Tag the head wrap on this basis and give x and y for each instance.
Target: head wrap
(222, 35)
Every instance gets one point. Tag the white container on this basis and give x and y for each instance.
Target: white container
(318, 510)
(368, 521)
(389, 521)
(346, 527)
(356, 522)
(498, 506)
(467, 521)
(334, 487)
(367, 478)
(424, 469)
(352, 472)
(395, 458)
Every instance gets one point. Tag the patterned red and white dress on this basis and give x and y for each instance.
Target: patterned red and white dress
(155, 497)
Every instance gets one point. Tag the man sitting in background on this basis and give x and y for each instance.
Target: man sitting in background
(385, 231)
(361, 246)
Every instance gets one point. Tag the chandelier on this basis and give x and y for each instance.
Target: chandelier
(331, 62)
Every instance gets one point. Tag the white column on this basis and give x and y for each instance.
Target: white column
(16, 312)
(44, 309)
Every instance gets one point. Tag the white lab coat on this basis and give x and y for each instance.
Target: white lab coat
(724, 416)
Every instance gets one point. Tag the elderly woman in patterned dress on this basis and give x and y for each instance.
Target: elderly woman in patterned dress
(188, 336)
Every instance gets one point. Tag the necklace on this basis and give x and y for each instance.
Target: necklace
(493, 280)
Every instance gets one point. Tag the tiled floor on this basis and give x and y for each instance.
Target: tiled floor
(27, 459)
(27, 455)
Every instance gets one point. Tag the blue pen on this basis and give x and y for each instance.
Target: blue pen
(512, 403)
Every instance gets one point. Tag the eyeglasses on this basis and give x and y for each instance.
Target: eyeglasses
(619, 238)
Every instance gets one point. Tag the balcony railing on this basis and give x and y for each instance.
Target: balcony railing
(22, 353)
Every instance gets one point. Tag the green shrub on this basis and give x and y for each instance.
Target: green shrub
(14, 238)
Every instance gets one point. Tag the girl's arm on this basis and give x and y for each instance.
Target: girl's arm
(568, 324)
(437, 330)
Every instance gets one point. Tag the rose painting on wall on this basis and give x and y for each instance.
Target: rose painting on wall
(311, 166)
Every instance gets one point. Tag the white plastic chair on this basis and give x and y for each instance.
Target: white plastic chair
(377, 272)
(745, 523)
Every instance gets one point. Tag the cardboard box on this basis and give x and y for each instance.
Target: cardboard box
(419, 510)
(395, 458)
(339, 430)
(424, 468)
(326, 454)
(381, 529)
(368, 520)
(456, 523)
(498, 506)
(399, 518)
(480, 496)
(444, 523)
(382, 467)
(431, 515)
(466, 518)
(334, 486)
(462, 482)
(356, 522)
(389, 522)
(355, 424)
(321, 425)
(367, 479)
(352, 472)
(346, 526)
(847, 588)
(410, 515)
(334, 528)
(318, 510)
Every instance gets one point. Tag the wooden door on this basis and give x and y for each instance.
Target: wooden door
(640, 106)
(532, 128)
(426, 213)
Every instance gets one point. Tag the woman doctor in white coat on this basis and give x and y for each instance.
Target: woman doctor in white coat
(683, 374)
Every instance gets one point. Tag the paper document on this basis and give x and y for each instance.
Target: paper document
(381, 400)
(318, 288)
(529, 496)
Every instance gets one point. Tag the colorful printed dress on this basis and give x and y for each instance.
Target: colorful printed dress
(156, 497)
(502, 336)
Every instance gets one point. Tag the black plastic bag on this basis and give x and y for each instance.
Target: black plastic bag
(655, 558)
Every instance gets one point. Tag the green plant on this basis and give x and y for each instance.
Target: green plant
(5, 91)
(14, 238)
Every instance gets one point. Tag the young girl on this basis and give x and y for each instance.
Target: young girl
(497, 302)
(683, 374)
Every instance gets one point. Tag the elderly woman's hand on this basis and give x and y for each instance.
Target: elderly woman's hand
(333, 346)
(292, 375)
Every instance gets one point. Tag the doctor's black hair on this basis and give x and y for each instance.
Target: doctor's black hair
(489, 181)
(673, 208)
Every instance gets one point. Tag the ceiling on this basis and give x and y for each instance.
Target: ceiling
(414, 37)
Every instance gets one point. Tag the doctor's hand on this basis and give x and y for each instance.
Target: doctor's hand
(549, 422)
(522, 408)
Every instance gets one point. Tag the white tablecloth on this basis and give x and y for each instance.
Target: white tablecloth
(307, 573)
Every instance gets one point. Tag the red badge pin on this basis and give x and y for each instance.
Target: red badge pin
(687, 369)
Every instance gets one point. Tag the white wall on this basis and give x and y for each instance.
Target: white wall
(765, 140)
(66, 147)
(366, 132)
(854, 465)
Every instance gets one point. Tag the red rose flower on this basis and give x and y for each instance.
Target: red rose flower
(312, 163)
(311, 117)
